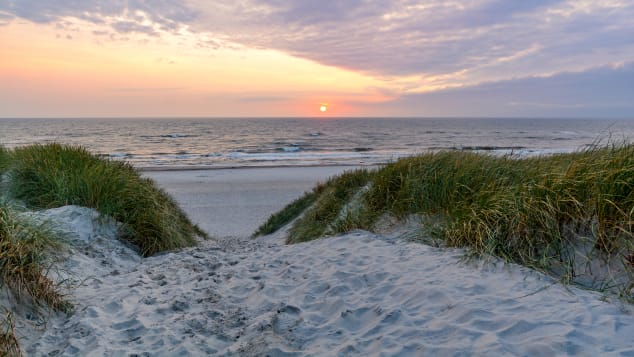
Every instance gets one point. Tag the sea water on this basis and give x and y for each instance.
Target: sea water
(239, 142)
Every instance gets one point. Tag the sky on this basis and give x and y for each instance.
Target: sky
(270, 58)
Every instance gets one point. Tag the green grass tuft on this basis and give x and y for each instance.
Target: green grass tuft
(54, 175)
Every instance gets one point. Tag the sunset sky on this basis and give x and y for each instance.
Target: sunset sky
(93, 58)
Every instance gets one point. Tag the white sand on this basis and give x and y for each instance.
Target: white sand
(356, 294)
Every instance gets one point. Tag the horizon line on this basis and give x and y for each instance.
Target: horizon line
(314, 117)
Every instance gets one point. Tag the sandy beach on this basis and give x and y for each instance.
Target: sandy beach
(358, 294)
(234, 202)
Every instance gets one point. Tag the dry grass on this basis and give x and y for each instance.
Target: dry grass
(25, 251)
(9, 345)
(25, 254)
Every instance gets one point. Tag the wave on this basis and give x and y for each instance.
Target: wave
(169, 136)
(289, 149)
(176, 136)
(488, 148)
(293, 157)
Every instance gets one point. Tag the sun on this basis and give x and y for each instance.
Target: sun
(323, 108)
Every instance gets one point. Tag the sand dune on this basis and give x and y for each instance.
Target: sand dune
(356, 294)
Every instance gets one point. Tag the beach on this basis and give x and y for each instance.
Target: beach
(356, 294)
(234, 202)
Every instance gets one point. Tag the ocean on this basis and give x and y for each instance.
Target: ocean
(246, 142)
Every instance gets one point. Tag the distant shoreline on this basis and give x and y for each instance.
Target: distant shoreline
(237, 167)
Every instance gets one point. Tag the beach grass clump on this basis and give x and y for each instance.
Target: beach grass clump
(434, 183)
(289, 213)
(496, 205)
(25, 255)
(526, 210)
(321, 206)
(54, 175)
(332, 197)
(612, 196)
(27, 251)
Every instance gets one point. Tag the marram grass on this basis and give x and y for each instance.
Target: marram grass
(25, 251)
(54, 175)
(290, 212)
(25, 254)
(9, 345)
(4, 159)
(321, 207)
(528, 211)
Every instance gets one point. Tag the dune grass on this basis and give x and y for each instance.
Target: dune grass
(4, 159)
(289, 213)
(54, 175)
(324, 215)
(321, 206)
(25, 255)
(528, 211)
(9, 345)
(25, 251)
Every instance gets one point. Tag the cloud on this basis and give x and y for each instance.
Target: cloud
(131, 26)
(430, 45)
(165, 14)
(597, 93)
(5, 20)
(433, 43)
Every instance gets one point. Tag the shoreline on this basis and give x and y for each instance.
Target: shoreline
(172, 168)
